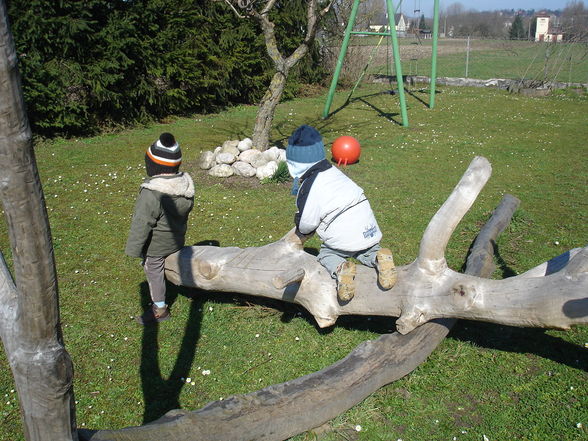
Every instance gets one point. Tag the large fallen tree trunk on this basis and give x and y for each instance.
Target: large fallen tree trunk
(280, 411)
(426, 289)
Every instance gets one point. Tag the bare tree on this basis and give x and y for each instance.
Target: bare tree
(574, 20)
(455, 9)
(29, 309)
(283, 64)
(471, 22)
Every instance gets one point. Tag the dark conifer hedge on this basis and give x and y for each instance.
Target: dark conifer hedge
(87, 65)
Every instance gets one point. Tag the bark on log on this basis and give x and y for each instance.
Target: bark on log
(480, 261)
(284, 410)
(29, 311)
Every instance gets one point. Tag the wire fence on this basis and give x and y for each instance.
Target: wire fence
(562, 62)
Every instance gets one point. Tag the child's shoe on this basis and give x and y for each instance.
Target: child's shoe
(386, 269)
(153, 315)
(346, 281)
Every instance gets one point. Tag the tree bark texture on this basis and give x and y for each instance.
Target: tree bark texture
(281, 411)
(266, 110)
(29, 311)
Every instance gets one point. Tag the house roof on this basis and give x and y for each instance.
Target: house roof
(382, 19)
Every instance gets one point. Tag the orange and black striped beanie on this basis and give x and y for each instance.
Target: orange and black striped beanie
(164, 156)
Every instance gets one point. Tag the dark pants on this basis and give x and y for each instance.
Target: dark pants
(154, 270)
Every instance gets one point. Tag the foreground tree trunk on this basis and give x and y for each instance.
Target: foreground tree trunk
(282, 64)
(29, 311)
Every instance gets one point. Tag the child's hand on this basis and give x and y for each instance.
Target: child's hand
(296, 238)
(303, 237)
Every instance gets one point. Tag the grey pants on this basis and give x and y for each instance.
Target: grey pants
(154, 271)
(331, 258)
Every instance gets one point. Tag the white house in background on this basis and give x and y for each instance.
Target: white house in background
(401, 26)
(545, 31)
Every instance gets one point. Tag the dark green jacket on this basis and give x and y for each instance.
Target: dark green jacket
(161, 213)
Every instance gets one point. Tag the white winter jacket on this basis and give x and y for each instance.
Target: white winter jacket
(336, 208)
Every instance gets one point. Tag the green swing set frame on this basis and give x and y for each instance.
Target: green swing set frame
(396, 54)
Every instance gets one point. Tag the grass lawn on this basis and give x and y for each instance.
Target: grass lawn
(562, 62)
(484, 380)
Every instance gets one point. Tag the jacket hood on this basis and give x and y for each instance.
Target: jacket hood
(175, 185)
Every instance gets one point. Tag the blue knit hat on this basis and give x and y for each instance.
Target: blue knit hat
(305, 145)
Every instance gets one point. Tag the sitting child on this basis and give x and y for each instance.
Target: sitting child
(336, 208)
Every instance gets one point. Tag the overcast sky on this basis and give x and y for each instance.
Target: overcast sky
(426, 6)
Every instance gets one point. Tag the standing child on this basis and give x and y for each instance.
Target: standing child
(159, 223)
(336, 208)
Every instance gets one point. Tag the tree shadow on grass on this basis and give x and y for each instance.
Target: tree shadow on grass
(521, 340)
(365, 100)
(161, 395)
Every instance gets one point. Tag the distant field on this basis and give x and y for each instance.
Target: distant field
(562, 62)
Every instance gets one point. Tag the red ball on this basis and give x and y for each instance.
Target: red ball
(346, 150)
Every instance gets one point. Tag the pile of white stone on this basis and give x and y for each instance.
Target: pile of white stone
(241, 159)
